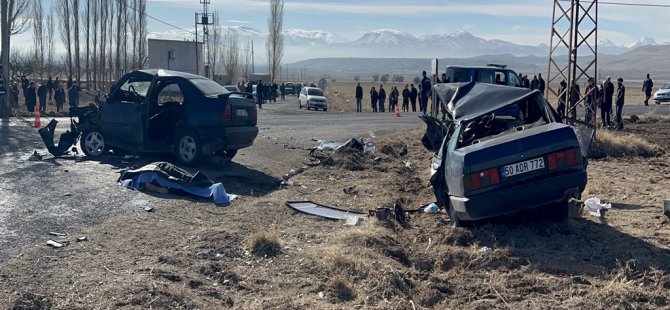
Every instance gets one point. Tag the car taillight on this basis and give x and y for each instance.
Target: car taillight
(565, 158)
(254, 113)
(227, 113)
(482, 179)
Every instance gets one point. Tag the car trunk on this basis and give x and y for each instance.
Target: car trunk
(238, 110)
(516, 156)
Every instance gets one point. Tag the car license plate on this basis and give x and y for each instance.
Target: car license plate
(241, 112)
(523, 167)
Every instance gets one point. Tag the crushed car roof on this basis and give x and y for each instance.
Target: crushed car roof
(470, 100)
(169, 73)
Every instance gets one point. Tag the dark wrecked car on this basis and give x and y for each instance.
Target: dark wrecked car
(168, 111)
(503, 149)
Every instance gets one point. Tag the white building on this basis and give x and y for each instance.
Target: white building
(176, 55)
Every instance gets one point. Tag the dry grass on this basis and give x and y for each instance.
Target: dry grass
(340, 290)
(617, 144)
(653, 117)
(264, 243)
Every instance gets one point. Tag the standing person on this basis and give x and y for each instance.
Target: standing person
(412, 97)
(574, 98)
(14, 95)
(395, 96)
(282, 90)
(374, 96)
(24, 85)
(590, 99)
(620, 95)
(42, 96)
(606, 107)
(526, 82)
(69, 82)
(359, 98)
(562, 98)
(425, 92)
(59, 97)
(540, 83)
(646, 88)
(73, 95)
(31, 97)
(50, 87)
(534, 82)
(259, 94)
(56, 83)
(405, 98)
(382, 98)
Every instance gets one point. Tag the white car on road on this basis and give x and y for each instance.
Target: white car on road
(662, 94)
(313, 97)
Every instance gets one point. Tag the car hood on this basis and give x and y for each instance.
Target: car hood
(471, 100)
(663, 91)
(309, 97)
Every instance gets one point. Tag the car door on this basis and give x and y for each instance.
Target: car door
(122, 118)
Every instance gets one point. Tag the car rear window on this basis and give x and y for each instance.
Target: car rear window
(314, 92)
(209, 87)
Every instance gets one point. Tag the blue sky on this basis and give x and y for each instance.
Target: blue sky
(519, 21)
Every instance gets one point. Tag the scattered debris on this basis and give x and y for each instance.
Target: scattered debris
(312, 208)
(431, 208)
(403, 151)
(66, 141)
(594, 206)
(57, 234)
(55, 244)
(484, 249)
(35, 156)
(352, 144)
(82, 238)
(177, 180)
(369, 147)
(400, 214)
(354, 221)
(67, 195)
(351, 190)
(149, 209)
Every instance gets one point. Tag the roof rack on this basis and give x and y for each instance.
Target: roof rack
(497, 66)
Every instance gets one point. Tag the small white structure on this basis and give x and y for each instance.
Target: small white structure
(185, 56)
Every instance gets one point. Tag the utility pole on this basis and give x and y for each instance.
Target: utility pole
(574, 28)
(253, 67)
(4, 10)
(204, 19)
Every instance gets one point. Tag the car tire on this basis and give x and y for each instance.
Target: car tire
(230, 154)
(325, 109)
(92, 142)
(658, 102)
(299, 104)
(187, 147)
(558, 211)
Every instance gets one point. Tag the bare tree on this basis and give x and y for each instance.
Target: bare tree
(246, 60)
(142, 33)
(86, 15)
(74, 4)
(63, 9)
(94, 55)
(275, 41)
(13, 21)
(119, 34)
(214, 47)
(38, 37)
(50, 44)
(110, 55)
(231, 56)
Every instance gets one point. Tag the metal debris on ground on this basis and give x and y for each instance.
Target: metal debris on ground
(352, 144)
(312, 208)
(431, 208)
(55, 244)
(35, 156)
(351, 190)
(149, 209)
(57, 234)
(82, 238)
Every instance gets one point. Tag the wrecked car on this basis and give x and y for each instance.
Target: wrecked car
(503, 149)
(157, 110)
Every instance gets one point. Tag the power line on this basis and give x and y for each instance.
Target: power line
(636, 4)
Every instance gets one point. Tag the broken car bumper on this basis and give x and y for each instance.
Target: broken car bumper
(228, 138)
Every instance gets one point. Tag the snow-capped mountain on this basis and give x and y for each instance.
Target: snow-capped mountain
(642, 42)
(386, 38)
(312, 37)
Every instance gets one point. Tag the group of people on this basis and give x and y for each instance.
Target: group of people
(604, 96)
(268, 92)
(51, 90)
(409, 95)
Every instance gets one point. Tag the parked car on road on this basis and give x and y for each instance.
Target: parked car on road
(313, 98)
(157, 110)
(232, 88)
(662, 94)
(289, 88)
(503, 150)
(491, 74)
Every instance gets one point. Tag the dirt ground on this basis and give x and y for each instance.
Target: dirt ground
(193, 255)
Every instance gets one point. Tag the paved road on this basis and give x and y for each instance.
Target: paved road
(54, 194)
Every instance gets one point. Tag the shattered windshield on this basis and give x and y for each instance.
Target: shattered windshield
(531, 111)
(209, 87)
(140, 87)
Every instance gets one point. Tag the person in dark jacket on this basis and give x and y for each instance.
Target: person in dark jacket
(25, 83)
(31, 97)
(413, 94)
(405, 98)
(575, 95)
(425, 92)
(620, 95)
(42, 96)
(540, 83)
(59, 97)
(393, 99)
(69, 82)
(562, 98)
(50, 87)
(374, 96)
(534, 83)
(591, 97)
(647, 86)
(382, 98)
(73, 95)
(606, 106)
(260, 93)
(359, 98)
(14, 95)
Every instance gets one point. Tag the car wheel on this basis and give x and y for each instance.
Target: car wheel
(187, 147)
(93, 142)
(229, 154)
(658, 102)
(558, 211)
(325, 109)
(454, 221)
(299, 104)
